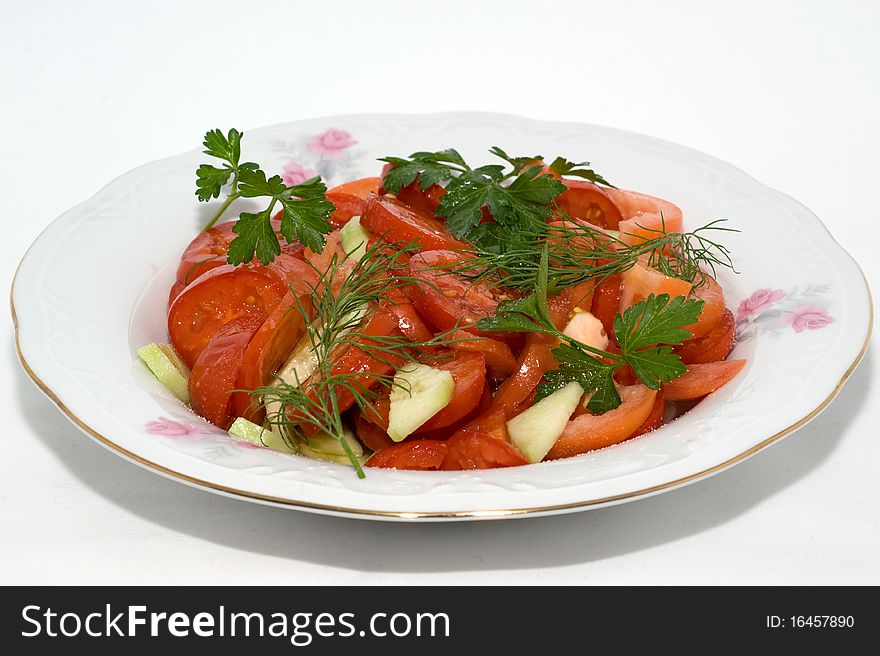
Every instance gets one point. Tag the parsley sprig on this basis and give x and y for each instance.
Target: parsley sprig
(646, 333)
(306, 208)
(519, 196)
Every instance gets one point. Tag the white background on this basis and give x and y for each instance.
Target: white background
(787, 91)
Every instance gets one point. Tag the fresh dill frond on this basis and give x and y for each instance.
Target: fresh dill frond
(343, 299)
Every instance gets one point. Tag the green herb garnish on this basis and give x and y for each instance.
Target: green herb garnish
(306, 208)
(519, 197)
(645, 332)
(334, 324)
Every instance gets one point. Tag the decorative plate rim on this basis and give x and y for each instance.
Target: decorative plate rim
(498, 513)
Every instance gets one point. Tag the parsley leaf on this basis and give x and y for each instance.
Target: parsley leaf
(645, 332)
(255, 236)
(306, 213)
(305, 217)
(518, 163)
(589, 372)
(524, 204)
(562, 166)
(211, 179)
(306, 208)
(657, 319)
(429, 168)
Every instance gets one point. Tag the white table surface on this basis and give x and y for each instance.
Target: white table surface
(787, 91)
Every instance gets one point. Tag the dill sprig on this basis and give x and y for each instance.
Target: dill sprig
(333, 326)
(579, 252)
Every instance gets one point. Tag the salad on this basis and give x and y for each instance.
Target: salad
(443, 315)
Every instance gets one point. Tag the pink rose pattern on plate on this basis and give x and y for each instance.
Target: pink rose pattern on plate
(294, 173)
(328, 154)
(774, 311)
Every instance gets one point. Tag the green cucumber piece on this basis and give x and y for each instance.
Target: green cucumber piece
(354, 238)
(167, 366)
(535, 431)
(248, 431)
(419, 393)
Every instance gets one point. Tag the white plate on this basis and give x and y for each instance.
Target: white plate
(93, 288)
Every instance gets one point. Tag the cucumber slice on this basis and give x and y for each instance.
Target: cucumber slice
(536, 430)
(354, 238)
(419, 393)
(250, 432)
(330, 446)
(305, 450)
(167, 366)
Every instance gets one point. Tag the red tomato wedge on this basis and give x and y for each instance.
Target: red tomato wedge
(492, 422)
(409, 322)
(374, 437)
(214, 374)
(702, 379)
(347, 206)
(215, 299)
(606, 303)
(356, 358)
(424, 201)
(472, 450)
(417, 454)
(469, 375)
(533, 362)
(714, 346)
(395, 222)
(499, 358)
(640, 280)
(272, 344)
(446, 299)
(361, 187)
(712, 295)
(645, 227)
(207, 251)
(589, 432)
(644, 217)
(655, 418)
(589, 202)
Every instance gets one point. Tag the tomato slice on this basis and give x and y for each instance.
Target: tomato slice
(395, 222)
(712, 295)
(417, 454)
(589, 202)
(216, 298)
(448, 300)
(207, 251)
(644, 217)
(606, 303)
(702, 379)
(714, 346)
(409, 322)
(499, 358)
(474, 450)
(374, 437)
(423, 201)
(355, 358)
(347, 206)
(533, 362)
(214, 374)
(362, 187)
(640, 280)
(272, 344)
(655, 418)
(589, 432)
(469, 375)
(492, 422)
